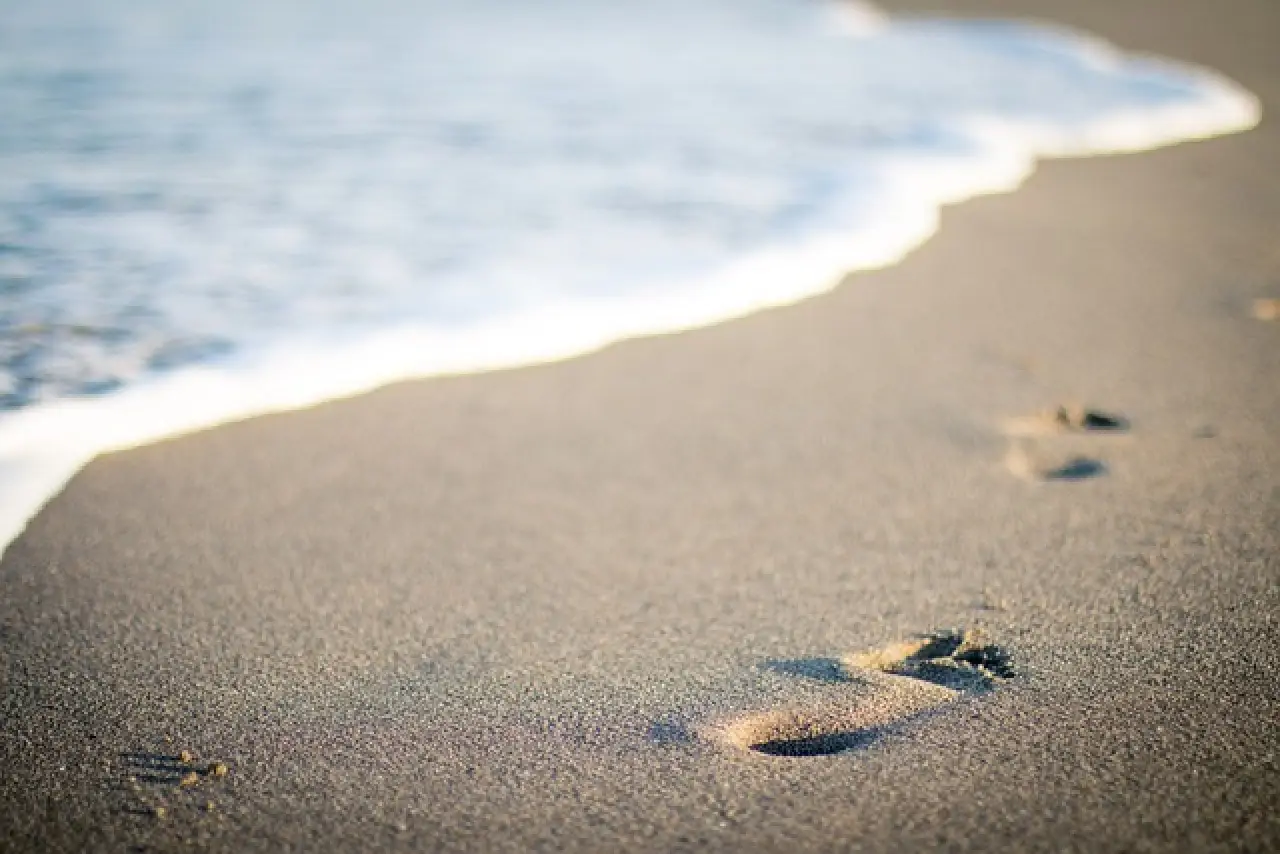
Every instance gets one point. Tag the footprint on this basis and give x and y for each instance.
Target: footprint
(1045, 446)
(157, 784)
(1067, 418)
(1033, 463)
(880, 688)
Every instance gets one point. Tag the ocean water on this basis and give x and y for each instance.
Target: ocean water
(210, 210)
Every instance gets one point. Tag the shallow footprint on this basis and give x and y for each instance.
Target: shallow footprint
(887, 686)
(1067, 418)
(1044, 465)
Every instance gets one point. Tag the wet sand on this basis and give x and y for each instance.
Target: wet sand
(558, 607)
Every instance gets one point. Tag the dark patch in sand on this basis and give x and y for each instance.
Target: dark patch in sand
(669, 732)
(1090, 420)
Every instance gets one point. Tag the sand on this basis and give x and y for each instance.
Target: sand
(520, 611)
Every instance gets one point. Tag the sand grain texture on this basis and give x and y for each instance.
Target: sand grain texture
(485, 613)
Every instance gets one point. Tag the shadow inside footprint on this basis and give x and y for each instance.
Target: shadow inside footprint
(988, 657)
(1077, 468)
(820, 745)
(1022, 462)
(1067, 418)
(1091, 420)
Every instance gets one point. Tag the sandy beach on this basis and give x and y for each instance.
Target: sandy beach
(612, 604)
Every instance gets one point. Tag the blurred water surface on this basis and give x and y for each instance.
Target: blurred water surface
(190, 182)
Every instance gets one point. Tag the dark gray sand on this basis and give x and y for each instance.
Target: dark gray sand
(557, 608)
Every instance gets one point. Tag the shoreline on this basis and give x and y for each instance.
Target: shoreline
(42, 446)
(493, 612)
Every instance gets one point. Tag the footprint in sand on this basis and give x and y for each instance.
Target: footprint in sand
(1044, 446)
(1066, 419)
(885, 687)
(161, 784)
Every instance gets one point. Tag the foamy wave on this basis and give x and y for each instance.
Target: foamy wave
(43, 446)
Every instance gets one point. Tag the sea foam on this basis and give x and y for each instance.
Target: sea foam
(214, 213)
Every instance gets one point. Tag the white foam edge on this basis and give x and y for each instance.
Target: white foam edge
(857, 19)
(42, 447)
